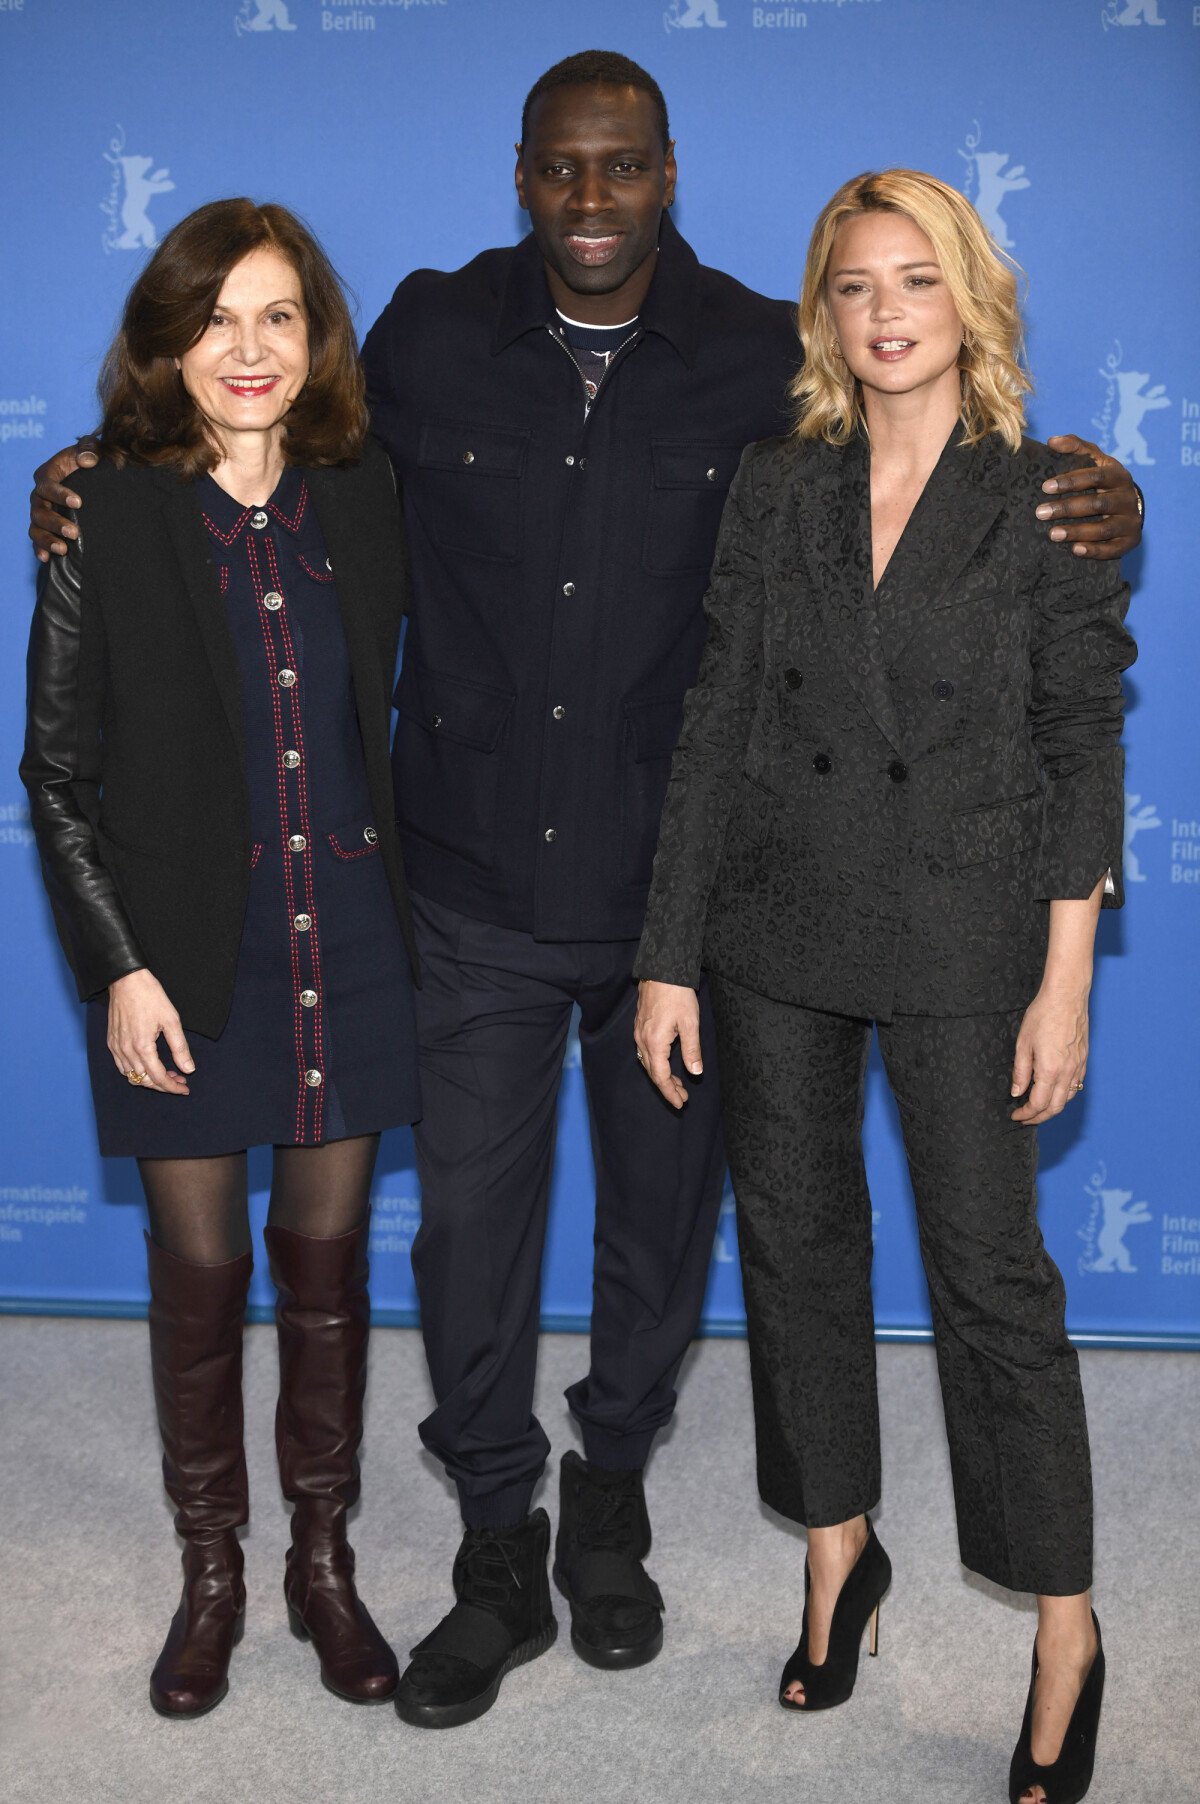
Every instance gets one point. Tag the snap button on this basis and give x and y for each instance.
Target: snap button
(560, 713)
(822, 764)
(370, 835)
(568, 588)
(943, 690)
(551, 836)
(468, 457)
(792, 678)
(570, 462)
(286, 678)
(711, 474)
(897, 771)
(273, 600)
(328, 566)
(297, 843)
(312, 1079)
(435, 721)
(258, 520)
(308, 999)
(302, 923)
(291, 761)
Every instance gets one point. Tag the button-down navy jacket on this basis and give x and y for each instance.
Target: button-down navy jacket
(558, 571)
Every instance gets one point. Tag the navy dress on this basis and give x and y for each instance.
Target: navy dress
(320, 1042)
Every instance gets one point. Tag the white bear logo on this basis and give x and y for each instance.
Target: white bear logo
(1134, 402)
(140, 189)
(689, 15)
(1134, 12)
(1113, 1213)
(1137, 819)
(263, 15)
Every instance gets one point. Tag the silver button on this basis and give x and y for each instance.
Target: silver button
(551, 836)
(435, 721)
(274, 601)
(308, 999)
(328, 565)
(560, 713)
(370, 835)
(291, 761)
(312, 1079)
(286, 678)
(711, 474)
(568, 588)
(570, 463)
(302, 923)
(468, 457)
(297, 843)
(258, 520)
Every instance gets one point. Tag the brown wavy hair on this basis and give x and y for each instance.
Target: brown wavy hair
(982, 282)
(149, 417)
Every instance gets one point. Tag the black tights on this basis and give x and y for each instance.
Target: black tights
(199, 1207)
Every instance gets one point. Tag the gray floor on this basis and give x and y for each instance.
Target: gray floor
(88, 1576)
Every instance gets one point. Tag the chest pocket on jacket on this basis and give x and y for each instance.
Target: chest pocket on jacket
(469, 490)
(687, 495)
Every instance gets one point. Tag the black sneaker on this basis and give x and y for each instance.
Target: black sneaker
(502, 1619)
(603, 1537)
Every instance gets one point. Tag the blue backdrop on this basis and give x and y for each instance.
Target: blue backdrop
(389, 124)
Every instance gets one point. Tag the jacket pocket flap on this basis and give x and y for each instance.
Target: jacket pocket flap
(358, 838)
(451, 708)
(472, 450)
(1001, 830)
(655, 727)
(695, 466)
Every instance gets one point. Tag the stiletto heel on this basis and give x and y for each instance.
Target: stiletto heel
(858, 1603)
(1065, 1780)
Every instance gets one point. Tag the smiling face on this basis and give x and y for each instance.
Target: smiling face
(594, 178)
(892, 311)
(251, 361)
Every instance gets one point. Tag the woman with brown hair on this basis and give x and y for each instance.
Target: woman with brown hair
(210, 673)
(896, 804)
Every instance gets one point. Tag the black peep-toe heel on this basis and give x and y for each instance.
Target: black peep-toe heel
(1065, 1780)
(858, 1604)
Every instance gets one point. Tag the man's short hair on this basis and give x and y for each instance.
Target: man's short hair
(598, 66)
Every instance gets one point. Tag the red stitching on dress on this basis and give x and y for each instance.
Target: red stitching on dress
(359, 851)
(318, 1012)
(292, 524)
(223, 577)
(288, 889)
(256, 852)
(227, 538)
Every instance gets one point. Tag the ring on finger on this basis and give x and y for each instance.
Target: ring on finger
(137, 1077)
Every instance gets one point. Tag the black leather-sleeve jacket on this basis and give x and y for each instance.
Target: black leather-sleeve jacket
(61, 771)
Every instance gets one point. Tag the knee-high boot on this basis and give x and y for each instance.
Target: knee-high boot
(196, 1318)
(323, 1316)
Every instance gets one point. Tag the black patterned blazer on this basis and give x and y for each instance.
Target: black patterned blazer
(876, 795)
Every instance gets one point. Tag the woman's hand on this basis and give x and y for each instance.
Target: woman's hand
(139, 1010)
(668, 1012)
(1052, 1050)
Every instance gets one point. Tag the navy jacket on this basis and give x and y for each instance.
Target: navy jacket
(558, 570)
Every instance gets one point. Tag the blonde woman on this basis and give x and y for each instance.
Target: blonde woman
(897, 803)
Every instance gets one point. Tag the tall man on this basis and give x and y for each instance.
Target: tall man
(564, 418)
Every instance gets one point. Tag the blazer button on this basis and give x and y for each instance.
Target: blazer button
(468, 457)
(897, 771)
(711, 474)
(550, 836)
(793, 678)
(568, 589)
(822, 764)
(370, 835)
(943, 690)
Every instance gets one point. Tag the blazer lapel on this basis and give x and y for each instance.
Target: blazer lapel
(191, 543)
(957, 507)
(833, 519)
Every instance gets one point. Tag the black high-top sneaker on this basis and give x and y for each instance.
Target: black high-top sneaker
(603, 1537)
(502, 1619)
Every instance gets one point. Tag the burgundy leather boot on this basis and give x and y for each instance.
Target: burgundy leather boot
(323, 1316)
(196, 1317)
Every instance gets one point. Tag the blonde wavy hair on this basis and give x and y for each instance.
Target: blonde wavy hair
(983, 286)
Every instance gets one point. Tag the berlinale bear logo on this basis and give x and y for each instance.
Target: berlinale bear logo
(1113, 1213)
(1138, 816)
(263, 15)
(1133, 12)
(135, 183)
(989, 182)
(688, 15)
(1127, 401)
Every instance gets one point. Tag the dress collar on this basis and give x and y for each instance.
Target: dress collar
(226, 519)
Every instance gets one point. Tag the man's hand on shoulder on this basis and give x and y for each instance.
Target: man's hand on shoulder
(1097, 511)
(48, 526)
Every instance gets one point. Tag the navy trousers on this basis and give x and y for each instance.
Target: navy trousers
(493, 1015)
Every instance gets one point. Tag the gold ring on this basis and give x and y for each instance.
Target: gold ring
(136, 1077)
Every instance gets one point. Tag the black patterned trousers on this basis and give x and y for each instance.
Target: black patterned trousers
(792, 1091)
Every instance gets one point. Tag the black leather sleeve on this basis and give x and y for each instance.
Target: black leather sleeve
(61, 770)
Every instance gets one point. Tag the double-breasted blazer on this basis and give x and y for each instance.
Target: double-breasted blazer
(876, 794)
(134, 757)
